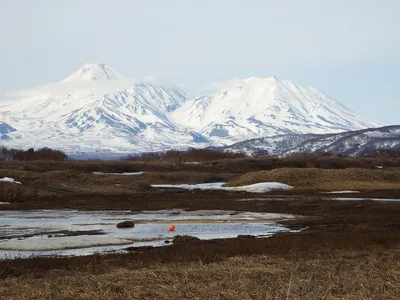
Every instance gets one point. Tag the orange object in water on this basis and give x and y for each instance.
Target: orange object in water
(172, 228)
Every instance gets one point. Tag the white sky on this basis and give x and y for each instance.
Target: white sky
(349, 49)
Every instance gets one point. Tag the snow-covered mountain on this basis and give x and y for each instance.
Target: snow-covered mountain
(95, 110)
(352, 143)
(257, 107)
(98, 110)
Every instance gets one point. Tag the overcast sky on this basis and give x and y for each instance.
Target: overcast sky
(349, 49)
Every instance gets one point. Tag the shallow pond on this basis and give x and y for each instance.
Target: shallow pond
(71, 232)
(319, 198)
(363, 199)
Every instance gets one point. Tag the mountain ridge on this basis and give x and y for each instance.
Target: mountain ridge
(98, 109)
(351, 143)
(275, 107)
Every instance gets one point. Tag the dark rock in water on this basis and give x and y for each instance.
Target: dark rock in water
(126, 224)
(216, 179)
(184, 239)
(245, 236)
(167, 242)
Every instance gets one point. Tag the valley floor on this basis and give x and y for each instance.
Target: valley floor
(347, 250)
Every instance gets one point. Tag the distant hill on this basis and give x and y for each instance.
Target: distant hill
(351, 143)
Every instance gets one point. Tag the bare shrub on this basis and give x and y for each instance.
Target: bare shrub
(31, 155)
(191, 155)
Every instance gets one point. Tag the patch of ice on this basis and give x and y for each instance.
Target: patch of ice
(366, 199)
(261, 187)
(200, 186)
(252, 188)
(4, 203)
(43, 243)
(118, 174)
(11, 180)
(25, 233)
(343, 192)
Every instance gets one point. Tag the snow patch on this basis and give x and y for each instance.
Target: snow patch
(343, 192)
(200, 186)
(253, 188)
(119, 174)
(261, 187)
(11, 180)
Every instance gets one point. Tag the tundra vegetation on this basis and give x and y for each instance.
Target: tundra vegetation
(347, 249)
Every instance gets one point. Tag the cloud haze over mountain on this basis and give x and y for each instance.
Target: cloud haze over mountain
(349, 49)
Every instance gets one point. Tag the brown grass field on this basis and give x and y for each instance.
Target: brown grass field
(348, 249)
(325, 179)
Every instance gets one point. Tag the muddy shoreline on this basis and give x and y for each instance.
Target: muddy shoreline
(189, 200)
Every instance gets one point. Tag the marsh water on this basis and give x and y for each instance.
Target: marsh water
(320, 198)
(71, 232)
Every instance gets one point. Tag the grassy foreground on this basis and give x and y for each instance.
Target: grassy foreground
(367, 274)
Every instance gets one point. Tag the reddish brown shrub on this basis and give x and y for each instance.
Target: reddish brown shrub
(191, 155)
(30, 155)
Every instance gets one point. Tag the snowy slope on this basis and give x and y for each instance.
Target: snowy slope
(91, 72)
(255, 107)
(5, 129)
(98, 110)
(353, 143)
